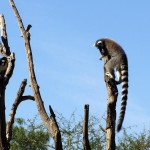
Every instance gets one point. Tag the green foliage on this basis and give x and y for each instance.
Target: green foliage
(134, 141)
(32, 136)
(72, 133)
(72, 136)
(97, 137)
(28, 135)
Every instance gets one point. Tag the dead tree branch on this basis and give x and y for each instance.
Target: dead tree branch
(47, 121)
(5, 47)
(23, 98)
(17, 101)
(54, 126)
(103, 129)
(5, 51)
(86, 143)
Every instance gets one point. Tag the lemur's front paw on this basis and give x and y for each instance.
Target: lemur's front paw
(109, 75)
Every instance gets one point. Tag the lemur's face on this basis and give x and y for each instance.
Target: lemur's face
(100, 45)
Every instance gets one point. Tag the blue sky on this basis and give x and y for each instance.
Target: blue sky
(66, 63)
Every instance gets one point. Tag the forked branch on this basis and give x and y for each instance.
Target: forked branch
(16, 103)
(5, 51)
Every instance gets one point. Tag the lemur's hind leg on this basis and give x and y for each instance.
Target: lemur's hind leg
(109, 67)
(118, 72)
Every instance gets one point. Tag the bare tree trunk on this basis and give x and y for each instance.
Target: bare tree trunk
(111, 117)
(86, 143)
(4, 79)
(4, 145)
(111, 110)
(49, 122)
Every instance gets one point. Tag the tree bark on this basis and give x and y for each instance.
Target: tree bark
(4, 145)
(5, 51)
(111, 115)
(111, 110)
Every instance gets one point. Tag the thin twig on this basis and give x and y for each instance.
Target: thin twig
(103, 129)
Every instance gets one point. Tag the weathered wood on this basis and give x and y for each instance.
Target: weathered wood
(5, 76)
(54, 126)
(5, 51)
(86, 144)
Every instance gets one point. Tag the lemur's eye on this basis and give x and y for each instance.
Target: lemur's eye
(99, 43)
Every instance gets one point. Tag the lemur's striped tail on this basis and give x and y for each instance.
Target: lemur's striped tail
(124, 80)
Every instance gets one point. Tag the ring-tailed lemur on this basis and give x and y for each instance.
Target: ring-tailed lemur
(118, 60)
